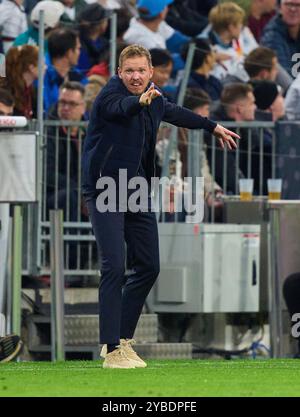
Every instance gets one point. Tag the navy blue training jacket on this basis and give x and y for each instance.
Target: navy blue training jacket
(116, 132)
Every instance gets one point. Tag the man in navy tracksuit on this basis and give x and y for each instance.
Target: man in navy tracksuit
(122, 135)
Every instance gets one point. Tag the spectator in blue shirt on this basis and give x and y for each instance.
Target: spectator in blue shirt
(64, 51)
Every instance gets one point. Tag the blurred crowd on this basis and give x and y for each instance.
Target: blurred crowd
(244, 68)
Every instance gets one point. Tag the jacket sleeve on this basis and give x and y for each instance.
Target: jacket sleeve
(115, 105)
(182, 117)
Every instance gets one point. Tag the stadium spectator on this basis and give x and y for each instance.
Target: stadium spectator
(123, 22)
(262, 64)
(64, 51)
(10, 347)
(261, 12)
(93, 87)
(93, 22)
(63, 161)
(203, 63)
(270, 106)
(13, 22)
(228, 36)
(186, 20)
(199, 102)
(152, 31)
(70, 107)
(52, 13)
(282, 33)
(268, 98)
(292, 100)
(21, 72)
(162, 68)
(237, 104)
(259, 64)
(6, 103)
(72, 9)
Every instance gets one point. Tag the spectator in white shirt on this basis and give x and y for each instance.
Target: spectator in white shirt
(150, 30)
(13, 22)
(228, 36)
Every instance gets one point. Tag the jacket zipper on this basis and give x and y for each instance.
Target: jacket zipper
(143, 146)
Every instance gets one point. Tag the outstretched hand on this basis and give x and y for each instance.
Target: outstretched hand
(226, 137)
(149, 95)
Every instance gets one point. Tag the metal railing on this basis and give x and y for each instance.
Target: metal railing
(61, 180)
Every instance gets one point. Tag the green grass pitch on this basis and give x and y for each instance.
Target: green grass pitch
(198, 378)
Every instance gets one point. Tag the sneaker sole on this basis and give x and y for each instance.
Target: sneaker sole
(138, 364)
(117, 367)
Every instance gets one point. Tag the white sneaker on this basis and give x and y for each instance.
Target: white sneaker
(117, 359)
(126, 345)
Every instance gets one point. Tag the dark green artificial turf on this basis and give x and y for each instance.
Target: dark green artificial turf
(161, 378)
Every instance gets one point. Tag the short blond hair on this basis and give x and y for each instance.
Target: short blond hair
(132, 51)
(222, 15)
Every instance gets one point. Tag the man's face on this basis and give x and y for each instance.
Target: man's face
(136, 74)
(290, 10)
(211, 60)
(6, 110)
(161, 74)
(235, 30)
(246, 108)
(274, 70)
(71, 105)
(73, 54)
(269, 74)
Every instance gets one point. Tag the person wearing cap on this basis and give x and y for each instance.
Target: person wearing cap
(72, 9)
(270, 106)
(269, 99)
(122, 135)
(93, 22)
(151, 30)
(52, 13)
(13, 22)
(181, 17)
